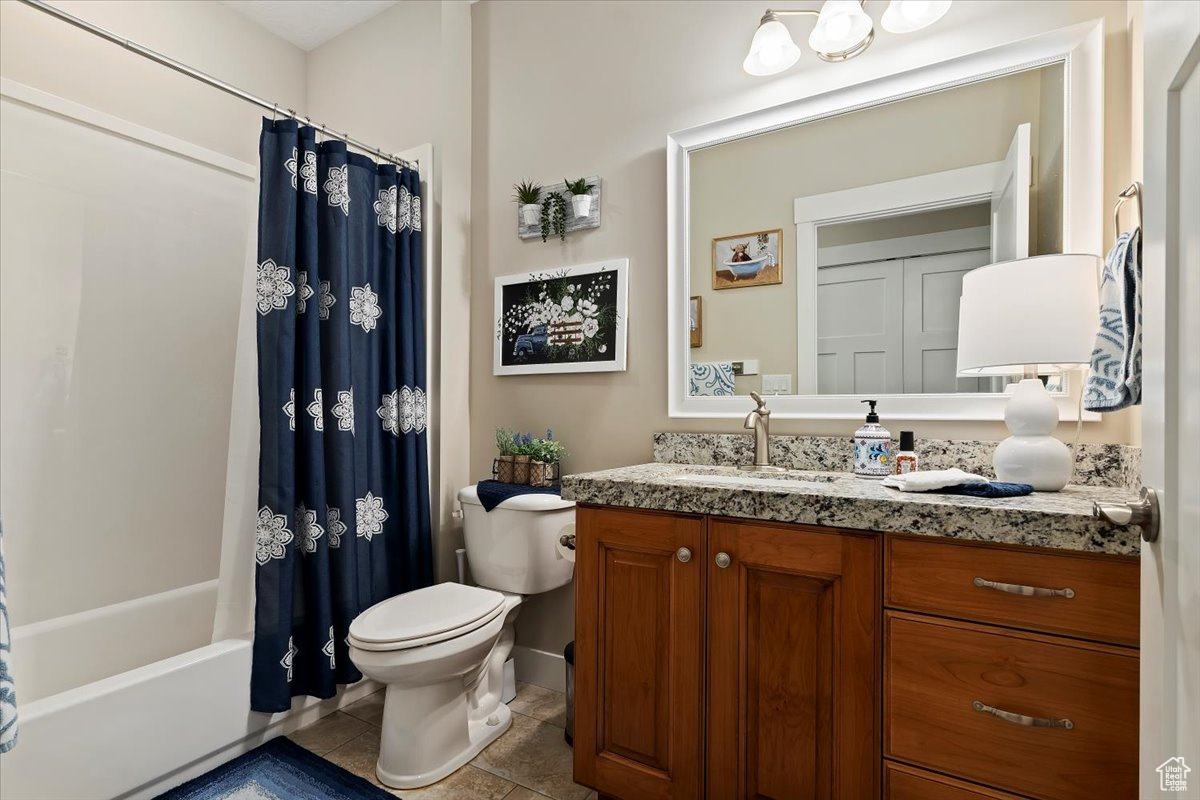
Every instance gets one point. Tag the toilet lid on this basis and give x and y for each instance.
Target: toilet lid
(434, 613)
(520, 502)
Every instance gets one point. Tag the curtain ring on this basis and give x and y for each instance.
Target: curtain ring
(274, 112)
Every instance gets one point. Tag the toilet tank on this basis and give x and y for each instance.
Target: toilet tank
(514, 547)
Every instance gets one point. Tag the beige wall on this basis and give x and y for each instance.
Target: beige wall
(651, 68)
(401, 79)
(50, 55)
(750, 185)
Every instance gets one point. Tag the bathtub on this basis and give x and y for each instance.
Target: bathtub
(128, 700)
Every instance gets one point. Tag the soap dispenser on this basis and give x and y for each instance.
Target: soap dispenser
(872, 448)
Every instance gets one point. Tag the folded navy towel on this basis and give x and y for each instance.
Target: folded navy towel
(991, 489)
(493, 493)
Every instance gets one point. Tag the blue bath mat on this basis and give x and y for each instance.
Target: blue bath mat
(279, 770)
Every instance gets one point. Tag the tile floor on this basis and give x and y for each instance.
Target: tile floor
(531, 761)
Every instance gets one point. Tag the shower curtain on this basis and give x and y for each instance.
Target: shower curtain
(343, 518)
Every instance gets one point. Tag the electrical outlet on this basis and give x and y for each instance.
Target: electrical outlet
(776, 384)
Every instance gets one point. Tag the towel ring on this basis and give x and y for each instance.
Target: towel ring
(1133, 190)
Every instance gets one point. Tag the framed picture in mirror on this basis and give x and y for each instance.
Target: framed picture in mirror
(696, 320)
(747, 259)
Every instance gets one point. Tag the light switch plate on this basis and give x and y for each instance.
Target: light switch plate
(776, 384)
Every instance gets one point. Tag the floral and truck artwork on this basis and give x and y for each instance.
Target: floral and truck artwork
(571, 319)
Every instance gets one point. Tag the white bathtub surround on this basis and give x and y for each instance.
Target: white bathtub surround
(141, 732)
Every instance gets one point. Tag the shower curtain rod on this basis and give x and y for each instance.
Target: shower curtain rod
(203, 77)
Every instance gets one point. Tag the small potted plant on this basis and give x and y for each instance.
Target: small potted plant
(528, 196)
(581, 196)
(506, 445)
(547, 455)
(554, 216)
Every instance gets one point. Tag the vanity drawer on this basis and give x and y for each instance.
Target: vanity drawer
(902, 782)
(941, 677)
(982, 583)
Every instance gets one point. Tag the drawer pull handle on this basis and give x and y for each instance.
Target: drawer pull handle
(1027, 591)
(684, 555)
(1021, 719)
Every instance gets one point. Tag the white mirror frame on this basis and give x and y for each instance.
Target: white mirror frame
(1081, 50)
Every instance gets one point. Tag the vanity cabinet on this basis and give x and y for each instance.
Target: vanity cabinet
(727, 658)
(746, 666)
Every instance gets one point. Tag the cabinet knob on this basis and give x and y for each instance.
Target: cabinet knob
(723, 560)
(684, 555)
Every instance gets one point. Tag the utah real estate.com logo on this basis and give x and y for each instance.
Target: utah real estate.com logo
(1172, 775)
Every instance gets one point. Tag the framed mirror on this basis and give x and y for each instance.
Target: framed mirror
(825, 240)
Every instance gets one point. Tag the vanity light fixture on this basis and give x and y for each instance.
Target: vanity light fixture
(843, 30)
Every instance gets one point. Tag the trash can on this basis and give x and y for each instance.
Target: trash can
(569, 655)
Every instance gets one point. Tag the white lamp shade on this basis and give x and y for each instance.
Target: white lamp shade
(1041, 311)
(906, 16)
(772, 49)
(841, 26)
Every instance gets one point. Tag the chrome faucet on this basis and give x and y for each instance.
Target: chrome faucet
(759, 420)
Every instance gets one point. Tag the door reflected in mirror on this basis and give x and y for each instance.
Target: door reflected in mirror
(855, 232)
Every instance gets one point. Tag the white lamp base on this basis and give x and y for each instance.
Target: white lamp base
(1031, 455)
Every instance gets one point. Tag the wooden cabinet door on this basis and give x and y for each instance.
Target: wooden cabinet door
(793, 662)
(639, 644)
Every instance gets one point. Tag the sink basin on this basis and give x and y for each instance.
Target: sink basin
(783, 481)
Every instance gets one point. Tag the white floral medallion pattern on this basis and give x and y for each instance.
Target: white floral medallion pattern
(404, 209)
(273, 536)
(385, 209)
(307, 170)
(337, 188)
(328, 648)
(325, 300)
(334, 526)
(369, 515)
(316, 410)
(343, 410)
(414, 410)
(289, 658)
(273, 287)
(289, 408)
(364, 307)
(304, 292)
(416, 212)
(308, 529)
(389, 413)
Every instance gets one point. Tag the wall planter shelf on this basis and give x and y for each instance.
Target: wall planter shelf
(573, 222)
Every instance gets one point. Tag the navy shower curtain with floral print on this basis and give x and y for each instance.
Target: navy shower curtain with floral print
(343, 517)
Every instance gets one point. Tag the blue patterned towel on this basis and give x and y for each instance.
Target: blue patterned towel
(1115, 378)
(493, 493)
(8, 694)
(713, 379)
(989, 489)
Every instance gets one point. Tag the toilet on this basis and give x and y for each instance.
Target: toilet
(440, 651)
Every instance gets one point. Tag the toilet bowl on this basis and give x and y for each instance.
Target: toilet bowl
(440, 650)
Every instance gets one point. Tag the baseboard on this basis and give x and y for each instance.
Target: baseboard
(548, 670)
(305, 711)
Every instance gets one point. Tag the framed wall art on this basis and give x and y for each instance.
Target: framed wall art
(748, 259)
(571, 319)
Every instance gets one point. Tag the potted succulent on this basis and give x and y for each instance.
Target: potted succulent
(528, 196)
(581, 196)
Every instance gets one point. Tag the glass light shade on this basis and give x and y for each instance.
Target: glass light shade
(772, 49)
(841, 26)
(906, 16)
(1041, 311)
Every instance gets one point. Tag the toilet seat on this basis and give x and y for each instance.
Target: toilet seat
(425, 616)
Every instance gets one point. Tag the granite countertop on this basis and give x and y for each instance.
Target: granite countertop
(1061, 520)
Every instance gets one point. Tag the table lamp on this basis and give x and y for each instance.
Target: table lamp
(1031, 316)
